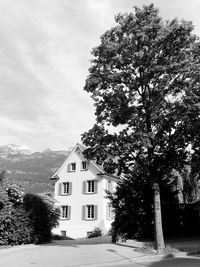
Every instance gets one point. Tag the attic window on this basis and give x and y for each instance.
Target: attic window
(84, 165)
(72, 167)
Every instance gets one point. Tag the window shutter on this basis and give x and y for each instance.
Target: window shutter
(68, 167)
(69, 213)
(95, 186)
(59, 188)
(106, 185)
(107, 212)
(84, 187)
(83, 212)
(70, 188)
(112, 214)
(111, 187)
(95, 212)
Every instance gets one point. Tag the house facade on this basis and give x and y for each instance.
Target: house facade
(81, 193)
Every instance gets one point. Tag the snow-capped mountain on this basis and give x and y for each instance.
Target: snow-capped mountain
(13, 149)
(30, 170)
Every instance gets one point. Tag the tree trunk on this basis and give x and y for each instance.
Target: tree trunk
(160, 245)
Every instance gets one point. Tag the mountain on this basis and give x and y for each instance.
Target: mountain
(31, 170)
(13, 149)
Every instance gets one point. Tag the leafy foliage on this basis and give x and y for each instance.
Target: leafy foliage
(24, 218)
(95, 233)
(15, 228)
(145, 84)
(132, 203)
(42, 217)
(144, 76)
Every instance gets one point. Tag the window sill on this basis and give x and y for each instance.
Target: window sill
(64, 219)
(90, 219)
(90, 193)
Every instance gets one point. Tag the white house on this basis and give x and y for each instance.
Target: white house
(80, 191)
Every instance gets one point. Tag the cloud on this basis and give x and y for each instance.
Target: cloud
(42, 73)
(44, 52)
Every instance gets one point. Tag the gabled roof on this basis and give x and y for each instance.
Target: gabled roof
(99, 167)
(55, 176)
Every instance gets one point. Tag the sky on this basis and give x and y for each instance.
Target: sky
(45, 54)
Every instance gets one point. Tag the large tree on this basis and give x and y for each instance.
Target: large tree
(145, 82)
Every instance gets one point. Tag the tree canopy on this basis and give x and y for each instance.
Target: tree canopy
(144, 80)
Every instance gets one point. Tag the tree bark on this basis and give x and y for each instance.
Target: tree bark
(160, 245)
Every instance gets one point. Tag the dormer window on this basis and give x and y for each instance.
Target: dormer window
(84, 165)
(72, 167)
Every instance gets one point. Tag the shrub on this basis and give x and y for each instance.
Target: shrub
(95, 233)
(24, 218)
(42, 217)
(14, 226)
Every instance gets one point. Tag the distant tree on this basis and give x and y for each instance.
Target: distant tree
(145, 80)
(3, 194)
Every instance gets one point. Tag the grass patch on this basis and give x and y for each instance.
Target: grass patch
(150, 250)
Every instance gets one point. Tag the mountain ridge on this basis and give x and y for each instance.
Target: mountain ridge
(31, 170)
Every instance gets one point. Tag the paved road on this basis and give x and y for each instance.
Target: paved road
(175, 262)
(89, 253)
(65, 256)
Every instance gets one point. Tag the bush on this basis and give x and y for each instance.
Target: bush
(42, 217)
(95, 233)
(14, 227)
(25, 218)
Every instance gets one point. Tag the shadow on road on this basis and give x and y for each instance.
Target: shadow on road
(118, 254)
(79, 242)
(170, 262)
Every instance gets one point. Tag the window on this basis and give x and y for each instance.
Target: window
(89, 212)
(109, 212)
(90, 187)
(72, 167)
(84, 165)
(65, 188)
(65, 212)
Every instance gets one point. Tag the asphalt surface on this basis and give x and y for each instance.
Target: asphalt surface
(97, 252)
(174, 262)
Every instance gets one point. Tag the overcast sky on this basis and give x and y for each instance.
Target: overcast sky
(45, 51)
